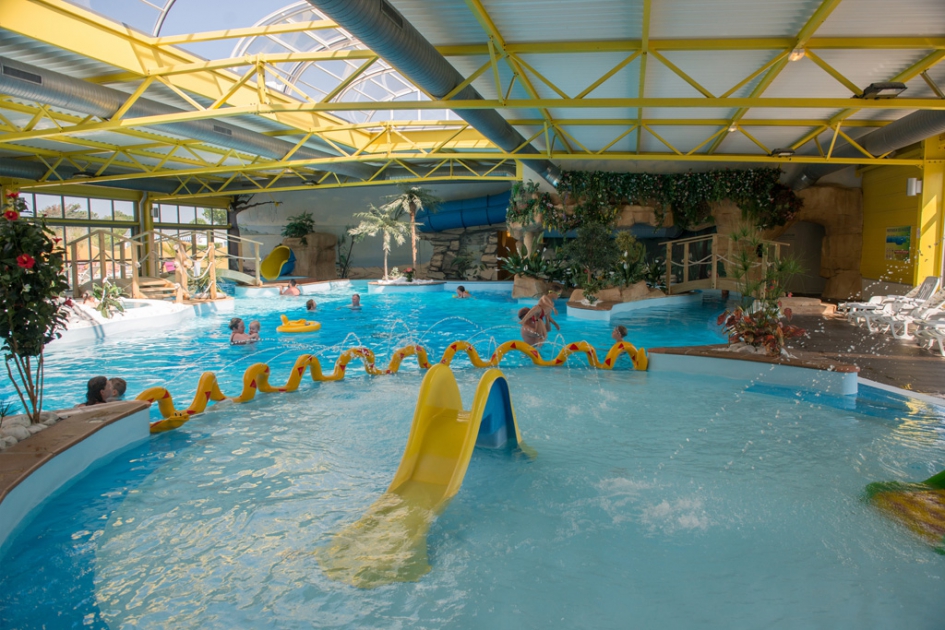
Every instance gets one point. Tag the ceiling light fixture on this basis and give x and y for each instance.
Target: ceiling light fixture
(783, 153)
(732, 128)
(797, 54)
(884, 89)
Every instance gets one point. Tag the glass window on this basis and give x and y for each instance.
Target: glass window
(49, 205)
(124, 210)
(101, 209)
(76, 207)
(168, 213)
(188, 214)
(30, 203)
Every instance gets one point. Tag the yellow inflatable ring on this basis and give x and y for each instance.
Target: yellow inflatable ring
(297, 325)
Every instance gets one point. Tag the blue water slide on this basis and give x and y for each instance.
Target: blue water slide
(487, 210)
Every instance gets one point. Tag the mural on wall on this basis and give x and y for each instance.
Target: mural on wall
(898, 243)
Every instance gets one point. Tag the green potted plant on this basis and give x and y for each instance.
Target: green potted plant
(108, 296)
(762, 279)
(299, 226)
(31, 283)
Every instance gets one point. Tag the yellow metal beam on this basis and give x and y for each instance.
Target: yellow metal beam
(820, 15)
(237, 33)
(702, 43)
(73, 28)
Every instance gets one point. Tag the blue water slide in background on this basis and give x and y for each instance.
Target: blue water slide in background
(462, 213)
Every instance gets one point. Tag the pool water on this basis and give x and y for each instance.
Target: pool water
(656, 500)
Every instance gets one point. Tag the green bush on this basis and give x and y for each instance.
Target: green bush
(299, 226)
(31, 283)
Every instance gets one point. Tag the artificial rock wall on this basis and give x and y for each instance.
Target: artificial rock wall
(463, 253)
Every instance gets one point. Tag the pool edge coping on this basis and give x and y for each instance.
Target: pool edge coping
(25, 467)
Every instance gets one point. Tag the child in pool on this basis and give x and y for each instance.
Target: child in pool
(310, 305)
(254, 327)
(618, 333)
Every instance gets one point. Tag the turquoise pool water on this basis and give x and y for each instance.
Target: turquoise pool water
(656, 500)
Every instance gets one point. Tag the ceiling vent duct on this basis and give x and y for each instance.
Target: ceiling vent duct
(58, 90)
(910, 129)
(404, 48)
(21, 169)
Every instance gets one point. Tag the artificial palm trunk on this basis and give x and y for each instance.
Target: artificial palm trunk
(386, 251)
(413, 232)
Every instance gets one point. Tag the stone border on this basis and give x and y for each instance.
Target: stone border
(33, 470)
(310, 287)
(428, 286)
(804, 372)
(160, 318)
(606, 310)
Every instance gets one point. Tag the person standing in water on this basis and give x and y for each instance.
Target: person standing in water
(291, 290)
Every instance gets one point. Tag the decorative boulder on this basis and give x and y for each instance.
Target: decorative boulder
(316, 258)
(525, 287)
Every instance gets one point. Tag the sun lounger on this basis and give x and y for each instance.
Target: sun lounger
(876, 303)
(900, 323)
(930, 333)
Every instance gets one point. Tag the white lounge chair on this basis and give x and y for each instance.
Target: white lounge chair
(930, 333)
(899, 324)
(920, 293)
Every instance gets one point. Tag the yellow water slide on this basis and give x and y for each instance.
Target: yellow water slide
(389, 543)
(271, 268)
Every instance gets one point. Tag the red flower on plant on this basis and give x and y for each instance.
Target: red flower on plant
(12, 194)
(11, 215)
(25, 261)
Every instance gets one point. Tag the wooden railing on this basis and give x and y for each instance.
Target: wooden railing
(103, 258)
(145, 256)
(698, 266)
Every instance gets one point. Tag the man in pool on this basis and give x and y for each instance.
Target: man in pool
(292, 289)
(355, 302)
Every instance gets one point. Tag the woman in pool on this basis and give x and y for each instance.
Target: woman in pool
(98, 390)
(541, 314)
(533, 329)
(238, 334)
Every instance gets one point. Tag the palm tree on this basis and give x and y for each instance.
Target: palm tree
(385, 220)
(412, 199)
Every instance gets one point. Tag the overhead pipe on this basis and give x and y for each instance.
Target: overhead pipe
(910, 129)
(385, 31)
(21, 169)
(58, 90)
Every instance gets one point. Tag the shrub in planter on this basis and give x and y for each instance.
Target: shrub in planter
(299, 226)
(31, 311)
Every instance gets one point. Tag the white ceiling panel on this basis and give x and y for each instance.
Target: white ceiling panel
(875, 18)
(730, 18)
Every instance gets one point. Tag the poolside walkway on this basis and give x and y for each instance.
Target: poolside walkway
(880, 358)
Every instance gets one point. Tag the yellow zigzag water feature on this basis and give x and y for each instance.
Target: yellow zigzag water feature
(256, 377)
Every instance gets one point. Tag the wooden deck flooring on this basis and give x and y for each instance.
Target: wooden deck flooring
(880, 358)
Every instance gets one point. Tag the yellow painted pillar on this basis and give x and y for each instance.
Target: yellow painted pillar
(931, 221)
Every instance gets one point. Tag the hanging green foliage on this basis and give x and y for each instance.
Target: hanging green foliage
(526, 203)
(600, 196)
